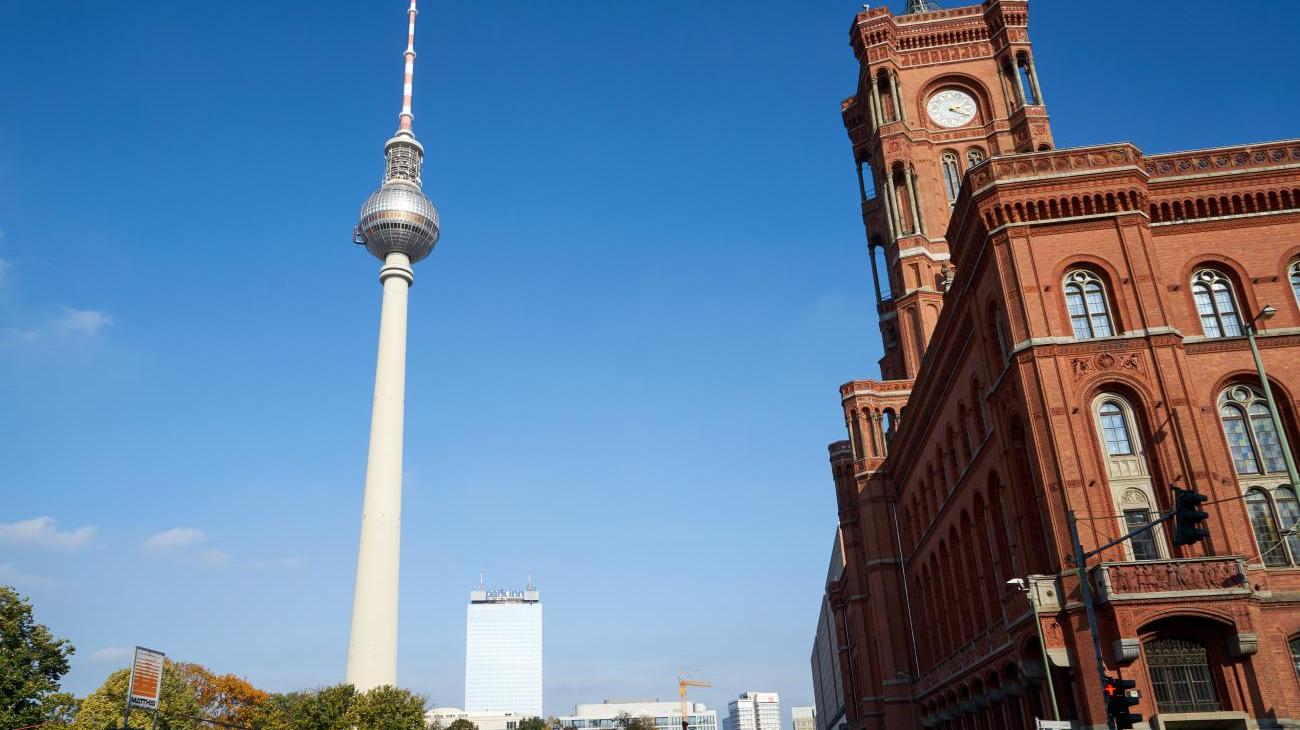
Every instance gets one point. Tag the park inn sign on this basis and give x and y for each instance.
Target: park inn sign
(502, 596)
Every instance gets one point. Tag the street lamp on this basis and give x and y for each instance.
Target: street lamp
(1024, 588)
(1267, 313)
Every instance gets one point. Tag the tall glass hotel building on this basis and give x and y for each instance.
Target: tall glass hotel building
(503, 653)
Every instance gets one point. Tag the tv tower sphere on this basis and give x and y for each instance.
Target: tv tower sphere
(398, 217)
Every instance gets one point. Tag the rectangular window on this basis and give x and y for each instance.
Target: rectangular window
(1205, 308)
(1243, 454)
(1115, 430)
(1144, 545)
(1227, 312)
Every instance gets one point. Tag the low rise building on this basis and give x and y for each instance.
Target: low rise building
(666, 715)
(443, 717)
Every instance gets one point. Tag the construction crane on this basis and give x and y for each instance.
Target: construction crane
(682, 684)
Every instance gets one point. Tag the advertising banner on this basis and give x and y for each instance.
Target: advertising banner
(145, 688)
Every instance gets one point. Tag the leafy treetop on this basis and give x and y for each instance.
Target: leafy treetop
(32, 662)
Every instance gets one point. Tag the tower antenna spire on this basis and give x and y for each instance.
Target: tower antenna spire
(406, 118)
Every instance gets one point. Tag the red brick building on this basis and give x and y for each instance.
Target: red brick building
(1063, 331)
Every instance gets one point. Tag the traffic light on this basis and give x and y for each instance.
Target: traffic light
(1188, 516)
(1118, 702)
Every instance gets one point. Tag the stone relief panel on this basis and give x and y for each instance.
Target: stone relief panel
(1172, 576)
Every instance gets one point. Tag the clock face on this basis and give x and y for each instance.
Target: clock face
(951, 108)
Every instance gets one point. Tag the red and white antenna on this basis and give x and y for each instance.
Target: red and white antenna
(406, 117)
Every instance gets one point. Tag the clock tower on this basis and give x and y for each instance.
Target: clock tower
(939, 92)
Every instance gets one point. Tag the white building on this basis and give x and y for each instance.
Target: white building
(754, 711)
(443, 717)
(503, 653)
(666, 715)
(803, 718)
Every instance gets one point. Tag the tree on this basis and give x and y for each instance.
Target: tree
(532, 723)
(32, 662)
(462, 724)
(326, 708)
(627, 722)
(341, 707)
(59, 708)
(178, 708)
(388, 708)
(226, 697)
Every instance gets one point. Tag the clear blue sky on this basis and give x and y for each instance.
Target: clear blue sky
(623, 355)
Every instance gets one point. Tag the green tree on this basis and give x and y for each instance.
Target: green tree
(326, 708)
(177, 710)
(462, 724)
(532, 723)
(32, 662)
(388, 708)
(60, 708)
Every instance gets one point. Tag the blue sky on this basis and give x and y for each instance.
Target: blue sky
(624, 353)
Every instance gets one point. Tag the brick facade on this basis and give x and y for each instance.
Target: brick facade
(998, 412)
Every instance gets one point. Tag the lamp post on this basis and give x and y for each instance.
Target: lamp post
(1267, 313)
(1023, 586)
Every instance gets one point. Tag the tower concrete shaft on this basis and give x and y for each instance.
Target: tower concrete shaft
(372, 650)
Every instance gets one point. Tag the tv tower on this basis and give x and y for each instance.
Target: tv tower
(400, 226)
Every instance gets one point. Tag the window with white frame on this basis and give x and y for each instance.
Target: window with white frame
(1085, 297)
(1216, 303)
(1128, 475)
(1114, 429)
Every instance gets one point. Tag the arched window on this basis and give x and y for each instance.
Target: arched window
(974, 156)
(1288, 513)
(867, 180)
(1295, 279)
(1128, 475)
(1114, 429)
(1180, 676)
(951, 175)
(1252, 439)
(1271, 549)
(998, 334)
(1026, 80)
(1216, 304)
(1295, 654)
(1086, 299)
